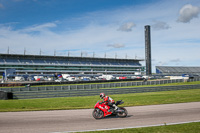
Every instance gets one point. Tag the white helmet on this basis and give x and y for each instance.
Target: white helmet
(102, 95)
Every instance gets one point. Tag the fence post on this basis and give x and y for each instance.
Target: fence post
(69, 87)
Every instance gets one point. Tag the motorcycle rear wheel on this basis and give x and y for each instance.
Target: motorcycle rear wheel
(122, 114)
(97, 114)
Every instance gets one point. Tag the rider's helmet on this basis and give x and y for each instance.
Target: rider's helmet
(102, 95)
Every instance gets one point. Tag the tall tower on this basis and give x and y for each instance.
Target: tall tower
(148, 49)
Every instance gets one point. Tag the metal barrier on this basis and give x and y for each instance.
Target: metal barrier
(93, 92)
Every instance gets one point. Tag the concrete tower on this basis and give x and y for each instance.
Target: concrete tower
(148, 49)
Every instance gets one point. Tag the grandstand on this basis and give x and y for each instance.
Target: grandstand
(174, 70)
(40, 64)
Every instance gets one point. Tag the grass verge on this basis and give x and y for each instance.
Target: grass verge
(133, 99)
(179, 128)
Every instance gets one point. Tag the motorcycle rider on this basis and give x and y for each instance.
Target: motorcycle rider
(108, 101)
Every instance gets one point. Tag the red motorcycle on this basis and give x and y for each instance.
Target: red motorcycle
(102, 110)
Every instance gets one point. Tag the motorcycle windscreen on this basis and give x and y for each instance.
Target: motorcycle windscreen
(119, 102)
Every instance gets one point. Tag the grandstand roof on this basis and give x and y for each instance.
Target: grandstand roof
(63, 57)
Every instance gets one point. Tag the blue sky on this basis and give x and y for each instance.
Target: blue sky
(114, 28)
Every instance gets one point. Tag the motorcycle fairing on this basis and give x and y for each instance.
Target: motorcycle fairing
(104, 108)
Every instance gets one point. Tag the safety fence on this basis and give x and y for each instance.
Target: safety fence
(93, 92)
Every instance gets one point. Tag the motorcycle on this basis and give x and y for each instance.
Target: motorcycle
(102, 110)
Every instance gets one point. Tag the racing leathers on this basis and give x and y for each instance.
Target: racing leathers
(110, 102)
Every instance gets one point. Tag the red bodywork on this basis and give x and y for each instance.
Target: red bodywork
(103, 107)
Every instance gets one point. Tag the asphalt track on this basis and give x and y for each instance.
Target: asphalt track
(80, 120)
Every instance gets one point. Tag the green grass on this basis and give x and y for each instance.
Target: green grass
(179, 128)
(180, 83)
(134, 99)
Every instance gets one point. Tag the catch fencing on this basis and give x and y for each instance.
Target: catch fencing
(95, 89)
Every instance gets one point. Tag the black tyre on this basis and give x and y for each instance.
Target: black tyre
(122, 114)
(97, 114)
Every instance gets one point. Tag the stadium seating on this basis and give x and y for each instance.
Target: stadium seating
(53, 64)
(2, 61)
(71, 62)
(173, 70)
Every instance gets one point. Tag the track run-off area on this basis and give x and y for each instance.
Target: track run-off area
(61, 121)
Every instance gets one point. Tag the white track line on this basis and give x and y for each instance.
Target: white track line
(129, 127)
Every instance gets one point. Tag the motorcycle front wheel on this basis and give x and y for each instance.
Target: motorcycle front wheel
(97, 114)
(122, 114)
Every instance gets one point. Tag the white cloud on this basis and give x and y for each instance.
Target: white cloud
(40, 28)
(175, 60)
(116, 45)
(127, 27)
(159, 25)
(188, 12)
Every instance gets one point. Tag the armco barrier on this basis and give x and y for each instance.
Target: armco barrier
(6, 95)
(93, 92)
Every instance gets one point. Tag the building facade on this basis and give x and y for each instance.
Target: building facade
(40, 64)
